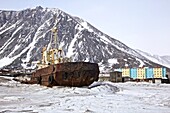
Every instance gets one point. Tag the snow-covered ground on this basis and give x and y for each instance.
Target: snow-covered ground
(106, 98)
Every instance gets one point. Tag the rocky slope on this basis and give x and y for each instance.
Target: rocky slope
(24, 33)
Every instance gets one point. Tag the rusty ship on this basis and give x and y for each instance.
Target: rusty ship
(55, 70)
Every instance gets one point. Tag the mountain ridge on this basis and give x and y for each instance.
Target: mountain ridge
(163, 60)
(24, 33)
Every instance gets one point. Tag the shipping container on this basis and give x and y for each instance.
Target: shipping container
(141, 73)
(157, 72)
(126, 72)
(133, 73)
(149, 73)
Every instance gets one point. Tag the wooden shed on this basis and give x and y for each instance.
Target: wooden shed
(116, 76)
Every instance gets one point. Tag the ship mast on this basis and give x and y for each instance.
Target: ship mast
(52, 54)
(56, 51)
(54, 31)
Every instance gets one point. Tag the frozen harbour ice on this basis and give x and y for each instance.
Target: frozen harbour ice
(106, 97)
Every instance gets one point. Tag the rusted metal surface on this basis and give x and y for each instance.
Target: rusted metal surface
(75, 74)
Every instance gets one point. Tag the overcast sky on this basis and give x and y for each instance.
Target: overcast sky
(140, 24)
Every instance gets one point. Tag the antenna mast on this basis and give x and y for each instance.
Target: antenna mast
(54, 31)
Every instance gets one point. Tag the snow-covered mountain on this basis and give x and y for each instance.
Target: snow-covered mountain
(24, 33)
(162, 60)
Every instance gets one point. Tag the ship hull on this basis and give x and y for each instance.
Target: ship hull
(75, 74)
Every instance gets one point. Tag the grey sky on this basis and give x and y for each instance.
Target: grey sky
(140, 24)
